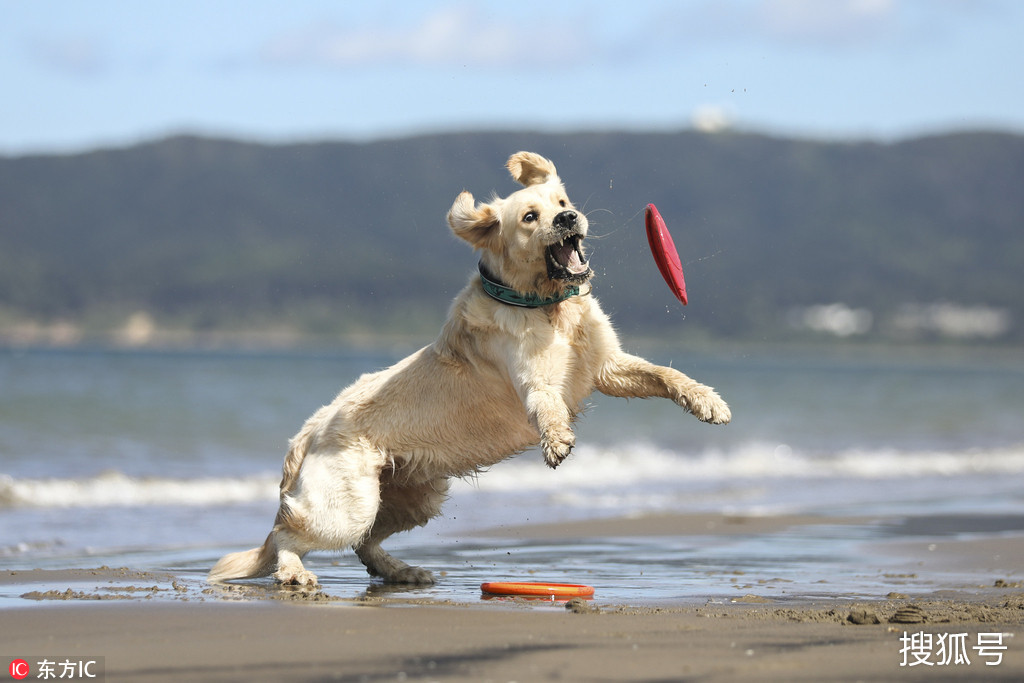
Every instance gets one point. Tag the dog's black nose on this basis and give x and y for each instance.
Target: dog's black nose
(565, 220)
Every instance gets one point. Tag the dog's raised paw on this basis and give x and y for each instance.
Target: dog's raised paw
(557, 448)
(720, 412)
(708, 406)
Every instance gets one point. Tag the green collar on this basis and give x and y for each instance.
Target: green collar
(507, 295)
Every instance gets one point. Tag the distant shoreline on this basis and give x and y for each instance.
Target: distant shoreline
(188, 240)
(67, 337)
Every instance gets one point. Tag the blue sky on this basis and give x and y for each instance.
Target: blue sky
(81, 74)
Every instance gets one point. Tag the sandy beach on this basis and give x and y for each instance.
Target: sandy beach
(153, 626)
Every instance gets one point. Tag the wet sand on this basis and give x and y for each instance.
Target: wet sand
(273, 642)
(151, 626)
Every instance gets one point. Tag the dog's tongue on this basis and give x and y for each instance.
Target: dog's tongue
(567, 255)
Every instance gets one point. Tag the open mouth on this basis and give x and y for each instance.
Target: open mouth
(566, 260)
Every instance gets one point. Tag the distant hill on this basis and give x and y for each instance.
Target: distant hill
(780, 239)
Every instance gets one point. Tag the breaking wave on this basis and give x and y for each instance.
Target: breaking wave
(621, 467)
(590, 467)
(113, 489)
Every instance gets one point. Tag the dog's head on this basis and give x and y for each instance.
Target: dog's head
(532, 240)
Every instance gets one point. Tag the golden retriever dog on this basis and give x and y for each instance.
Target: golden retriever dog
(521, 349)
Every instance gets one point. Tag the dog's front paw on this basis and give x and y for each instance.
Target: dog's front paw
(556, 446)
(292, 577)
(707, 406)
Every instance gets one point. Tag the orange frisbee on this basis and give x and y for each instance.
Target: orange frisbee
(537, 588)
(664, 251)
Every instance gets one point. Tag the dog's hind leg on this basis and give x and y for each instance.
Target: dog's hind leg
(290, 570)
(402, 507)
(332, 506)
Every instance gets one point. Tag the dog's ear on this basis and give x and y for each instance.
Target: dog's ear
(478, 225)
(530, 169)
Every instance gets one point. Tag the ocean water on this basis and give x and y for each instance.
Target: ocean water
(168, 460)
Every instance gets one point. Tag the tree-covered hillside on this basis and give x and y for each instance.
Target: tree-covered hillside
(340, 237)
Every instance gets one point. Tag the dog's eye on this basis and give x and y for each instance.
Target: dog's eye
(530, 217)
(561, 202)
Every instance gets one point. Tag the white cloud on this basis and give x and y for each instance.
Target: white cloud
(833, 20)
(449, 35)
(787, 23)
(69, 55)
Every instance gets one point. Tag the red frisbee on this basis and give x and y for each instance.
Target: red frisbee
(664, 251)
(537, 588)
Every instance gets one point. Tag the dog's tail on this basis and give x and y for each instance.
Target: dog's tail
(249, 564)
(297, 449)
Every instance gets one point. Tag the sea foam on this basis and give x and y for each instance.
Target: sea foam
(118, 489)
(591, 467)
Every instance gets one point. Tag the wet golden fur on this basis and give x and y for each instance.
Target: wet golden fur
(498, 380)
